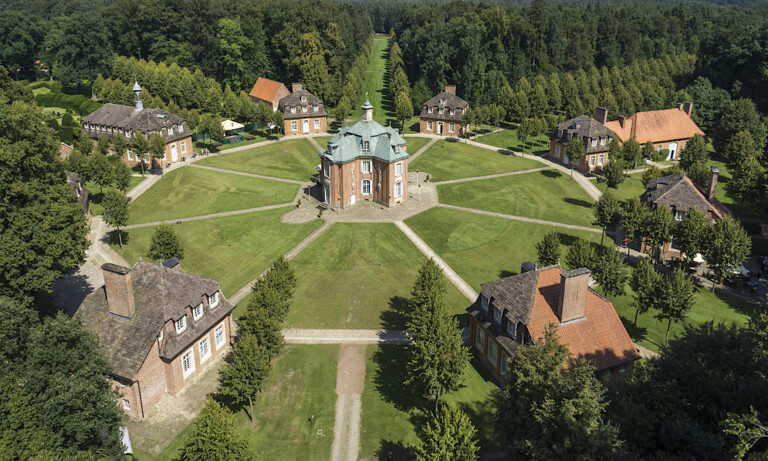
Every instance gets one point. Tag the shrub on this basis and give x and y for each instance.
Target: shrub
(67, 120)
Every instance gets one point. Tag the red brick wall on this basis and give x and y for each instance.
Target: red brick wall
(341, 182)
(300, 125)
(458, 130)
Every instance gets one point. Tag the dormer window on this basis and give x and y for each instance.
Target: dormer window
(181, 128)
(441, 111)
(569, 136)
(366, 145)
(602, 141)
(303, 99)
(442, 101)
(304, 108)
(679, 215)
(594, 142)
(181, 325)
(213, 300)
(453, 112)
(316, 108)
(497, 315)
(397, 149)
(484, 303)
(293, 110)
(511, 329)
(170, 131)
(429, 110)
(197, 312)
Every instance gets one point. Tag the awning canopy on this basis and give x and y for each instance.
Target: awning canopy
(228, 125)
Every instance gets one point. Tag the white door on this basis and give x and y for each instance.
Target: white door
(174, 154)
(440, 128)
(672, 151)
(327, 193)
(565, 159)
(352, 199)
(306, 126)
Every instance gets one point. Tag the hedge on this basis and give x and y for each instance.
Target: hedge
(80, 104)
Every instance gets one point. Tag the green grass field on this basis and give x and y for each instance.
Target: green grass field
(751, 214)
(507, 139)
(323, 140)
(483, 248)
(373, 85)
(707, 307)
(96, 197)
(392, 416)
(548, 195)
(447, 160)
(302, 384)
(415, 143)
(632, 187)
(358, 276)
(190, 191)
(291, 159)
(233, 249)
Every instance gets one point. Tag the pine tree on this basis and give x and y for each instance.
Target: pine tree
(215, 437)
(165, 244)
(675, 299)
(450, 436)
(248, 367)
(403, 108)
(548, 250)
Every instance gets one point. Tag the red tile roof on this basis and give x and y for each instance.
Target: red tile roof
(656, 126)
(265, 89)
(600, 337)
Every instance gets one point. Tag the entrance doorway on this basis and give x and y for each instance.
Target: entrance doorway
(306, 126)
(672, 151)
(352, 199)
(440, 128)
(327, 193)
(174, 155)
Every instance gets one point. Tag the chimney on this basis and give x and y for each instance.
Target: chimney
(621, 120)
(679, 106)
(688, 108)
(296, 87)
(119, 288)
(712, 186)
(573, 294)
(450, 89)
(601, 115)
(527, 266)
(172, 263)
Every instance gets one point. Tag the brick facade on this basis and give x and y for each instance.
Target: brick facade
(345, 181)
(433, 126)
(305, 125)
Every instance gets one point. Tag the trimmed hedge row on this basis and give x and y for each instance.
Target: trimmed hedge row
(80, 104)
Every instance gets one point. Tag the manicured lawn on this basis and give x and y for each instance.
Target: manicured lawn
(483, 248)
(358, 276)
(323, 140)
(291, 159)
(302, 384)
(96, 197)
(373, 86)
(447, 160)
(415, 143)
(632, 187)
(548, 195)
(233, 249)
(258, 136)
(190, 191)
(392, 416)
(507, 139)
(707, 307)
(751, 214)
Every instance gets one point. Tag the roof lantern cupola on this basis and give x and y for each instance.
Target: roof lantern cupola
(367, 111)
(137, 96)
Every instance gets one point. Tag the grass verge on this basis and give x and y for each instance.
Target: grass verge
(291, 159)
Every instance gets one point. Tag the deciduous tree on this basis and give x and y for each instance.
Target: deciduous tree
(165, 244)
(658, 228)
(450, 436)
(140, 147)
(575, 152)
(674, 299)
(607, 212)
(727, 246)
(614, 173)
(610, 271)
(581, 254)
(548, 249)
(691, 233)
(243, 376)
(645, 282)
(403, 108)
(101, 170)
(116, 211)
(215, 437)
(747, 181)
(157, 147)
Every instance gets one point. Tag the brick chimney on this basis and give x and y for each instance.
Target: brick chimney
(450, 89)
(172, 263)
(688, 108)
(712, 186)
(119, 288)
(296, 87)
(601, 115)
(573, 294)
(621, 120)
(527, 266)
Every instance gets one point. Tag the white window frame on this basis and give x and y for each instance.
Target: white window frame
(197, 312)
(327, 170)
(188, 363)
(429, 126)
(170, 131)
(365, 167)
(557, 150)
(398, 189)
(366, 145)
(399, 169)
(204, 345)
(304, 109)
(130, 154)
(213, 299)
(453, 112)
(480, 339)
(365, 184)
(592, 160)
(316, 108)
(181, 324)
(441, 111)
(218, 333)
(600, 159)
(303, 99)
(450, 127)
(429, 110)
(293, 110)
(594, 142)
(183, 145)
(128, 134)
(181, 128)
(679, 215)
(294, 125)
(317, 123)
(126, 405)
(602, 141)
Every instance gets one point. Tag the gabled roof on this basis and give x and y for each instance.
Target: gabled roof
(295, 100)
(161, 294)
(599, 337)
(584, 127)
(679, 192)
(656, 126)
(128, 118)
(265, 89)
(386, 143)
(446, 101)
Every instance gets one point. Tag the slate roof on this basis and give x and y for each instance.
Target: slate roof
(656, 126)
(582, 127)
(294, 100)
(161, 294)
(450, 101)
(130, 119)
(531, 298)
(678, 192)
(265, 89)
(347, 145)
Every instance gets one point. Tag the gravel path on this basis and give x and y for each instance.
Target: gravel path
(522, 218)
(350, 381)
(252, 175)
(463, 286)
(359, 337)
(209, 216)
(316, 144)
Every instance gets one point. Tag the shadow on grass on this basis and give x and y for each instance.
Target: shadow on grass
(390, 376)
(505, 273)
(577, 202)
(114, 240)
(398, 450)
(550, 173)
(566, 239)
(395, 316)
(636, 332)
(739, 305)
(483, 416)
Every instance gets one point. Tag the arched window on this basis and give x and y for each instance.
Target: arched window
(365, 187)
